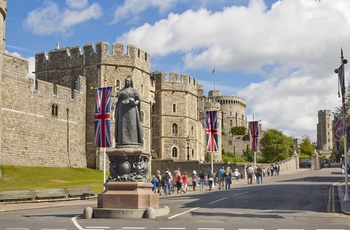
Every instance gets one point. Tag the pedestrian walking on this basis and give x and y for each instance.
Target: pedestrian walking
(194, 180)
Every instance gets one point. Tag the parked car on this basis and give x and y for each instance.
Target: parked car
(305, 164)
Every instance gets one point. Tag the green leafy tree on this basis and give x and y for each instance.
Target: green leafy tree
(238, 130)
(306, 147)
(275, 146)
(248, 155)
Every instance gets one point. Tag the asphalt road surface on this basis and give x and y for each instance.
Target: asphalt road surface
(299, 200)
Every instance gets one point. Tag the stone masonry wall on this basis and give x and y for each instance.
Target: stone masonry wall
(31, 135)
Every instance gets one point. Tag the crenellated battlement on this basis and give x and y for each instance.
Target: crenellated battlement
(70, 57)
(168, 80)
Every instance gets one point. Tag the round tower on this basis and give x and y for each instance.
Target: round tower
(3, 11)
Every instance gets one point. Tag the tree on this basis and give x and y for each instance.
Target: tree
(238, 130)
(275, 146)
(306, 147)
(248, 155)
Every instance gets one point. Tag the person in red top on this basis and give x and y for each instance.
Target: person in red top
(184, 182)
(178, 182)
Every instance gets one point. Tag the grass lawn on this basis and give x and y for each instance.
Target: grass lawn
(30, 178)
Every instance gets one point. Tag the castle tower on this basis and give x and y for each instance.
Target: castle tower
(325, 131)
(3, 11)
(233, 110)
(177, 132)
(100, 66)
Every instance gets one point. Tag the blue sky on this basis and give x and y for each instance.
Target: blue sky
(279, 56)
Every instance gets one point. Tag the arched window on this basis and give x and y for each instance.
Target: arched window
(142, 116)
(174, 152)
(55, 89)
(174, 129)
(230, 123)
(192, 131)
(117, 85)
(174, 108)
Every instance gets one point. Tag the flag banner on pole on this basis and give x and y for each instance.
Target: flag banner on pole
(338, 132)
(103, 117)
(254, 130)
(341, 79)
(212, 131)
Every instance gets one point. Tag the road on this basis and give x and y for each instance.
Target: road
(298, 200)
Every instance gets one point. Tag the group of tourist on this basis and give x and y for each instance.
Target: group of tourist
(260, 172)
(168, 182)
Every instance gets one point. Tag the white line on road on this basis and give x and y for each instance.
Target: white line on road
(238, 194)
(17, 228)
(75, 222)
(180, 215)
(218, 200)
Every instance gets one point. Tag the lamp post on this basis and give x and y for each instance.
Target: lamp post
(188, 147)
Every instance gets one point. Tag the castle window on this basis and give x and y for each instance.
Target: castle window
(174, 129)
(55, 89)
(117, 85)
(72, 94)
(146, 56)
(138, 52)
(174, 108)
(192, 131)
(54, 110)
(141, 89)
(142, 116)
(230, 143)
(36, 85)
(231, 123)
(174, 152)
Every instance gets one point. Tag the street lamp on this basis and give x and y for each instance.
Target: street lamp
(188, 147)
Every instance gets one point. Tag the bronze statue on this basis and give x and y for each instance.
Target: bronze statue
(128, 131)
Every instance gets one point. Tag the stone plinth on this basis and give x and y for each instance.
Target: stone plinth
(128, 195)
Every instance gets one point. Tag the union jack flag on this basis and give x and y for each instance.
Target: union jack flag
(254, 130)
(212, 130)
(103, 117)
(338, 132)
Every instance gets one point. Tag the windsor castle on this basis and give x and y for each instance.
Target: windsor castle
(49, 120)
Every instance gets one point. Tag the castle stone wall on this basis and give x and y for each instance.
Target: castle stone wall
(31, 135)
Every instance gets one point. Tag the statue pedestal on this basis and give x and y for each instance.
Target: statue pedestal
(128, 195)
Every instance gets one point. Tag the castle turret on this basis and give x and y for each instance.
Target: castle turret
(3, 11)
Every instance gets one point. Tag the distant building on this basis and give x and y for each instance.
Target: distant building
(325, 132)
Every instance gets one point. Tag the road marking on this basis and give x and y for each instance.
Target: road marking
(17, 228)
(218, 200)
(171, 217)
(53, 229)
(75, 222)
(330, 229)
(290, 229)
(238, 194)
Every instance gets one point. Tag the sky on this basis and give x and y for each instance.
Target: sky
(279, 56)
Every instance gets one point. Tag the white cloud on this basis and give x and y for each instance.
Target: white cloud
(50, 19)
(132, 8)
(77, 4)
(294, 46)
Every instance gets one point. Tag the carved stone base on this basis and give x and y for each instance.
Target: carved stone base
(128, 195)
(128, 164)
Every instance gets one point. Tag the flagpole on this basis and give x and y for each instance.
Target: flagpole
(342, 84)
(346, 195)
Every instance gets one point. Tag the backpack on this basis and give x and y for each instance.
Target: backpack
(166, 177)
